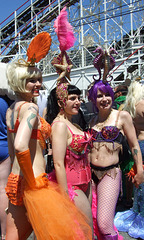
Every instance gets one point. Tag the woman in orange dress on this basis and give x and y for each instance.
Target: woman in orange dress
(35, 203)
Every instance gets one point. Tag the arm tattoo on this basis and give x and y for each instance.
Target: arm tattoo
(32, 108)
(135, 151)
(135, 154)
(29, 118)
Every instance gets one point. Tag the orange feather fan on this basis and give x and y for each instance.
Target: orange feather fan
(39, 47)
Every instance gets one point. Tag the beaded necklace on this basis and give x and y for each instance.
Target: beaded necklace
(101, 125)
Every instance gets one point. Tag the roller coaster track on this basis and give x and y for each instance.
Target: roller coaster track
(118, 24)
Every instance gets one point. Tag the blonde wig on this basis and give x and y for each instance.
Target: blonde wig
(134, 95)
(18, 73)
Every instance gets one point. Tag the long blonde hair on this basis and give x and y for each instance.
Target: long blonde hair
(134, 95)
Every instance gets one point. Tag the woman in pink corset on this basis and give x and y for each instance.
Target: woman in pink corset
(70, 149)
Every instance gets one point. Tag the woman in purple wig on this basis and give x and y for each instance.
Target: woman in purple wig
(107, 128)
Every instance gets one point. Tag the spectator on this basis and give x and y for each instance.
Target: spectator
(126, 157)
(5, 161)
(120, 93)
(132, 221)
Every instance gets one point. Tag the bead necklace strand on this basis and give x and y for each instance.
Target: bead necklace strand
(101, 125)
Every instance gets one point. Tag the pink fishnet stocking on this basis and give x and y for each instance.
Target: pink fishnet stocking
(107, 195)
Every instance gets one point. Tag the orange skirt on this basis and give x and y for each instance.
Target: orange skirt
(53, 215)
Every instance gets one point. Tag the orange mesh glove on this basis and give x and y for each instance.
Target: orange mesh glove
(24, 160)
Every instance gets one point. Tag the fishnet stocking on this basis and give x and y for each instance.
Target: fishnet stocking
(107, 195)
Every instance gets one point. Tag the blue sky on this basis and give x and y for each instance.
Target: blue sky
(9, 6)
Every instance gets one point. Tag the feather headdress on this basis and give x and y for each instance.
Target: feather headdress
(64, 31)
(37, 49)
(62, 62)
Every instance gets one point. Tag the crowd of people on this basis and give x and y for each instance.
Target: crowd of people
(77, 198)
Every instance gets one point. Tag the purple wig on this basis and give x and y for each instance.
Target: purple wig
(104, 87)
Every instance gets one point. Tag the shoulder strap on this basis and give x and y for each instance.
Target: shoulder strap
(54, 122)
(19, 108)
(66, 124)
(69, 129)
(17, 120)
(116, 122)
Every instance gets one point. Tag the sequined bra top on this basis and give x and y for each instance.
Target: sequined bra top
(41, 134)
(107, 134)
(80, 142)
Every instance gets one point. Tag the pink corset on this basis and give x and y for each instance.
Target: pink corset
(77, 167)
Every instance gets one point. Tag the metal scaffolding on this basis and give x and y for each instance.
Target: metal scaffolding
(105, 23)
